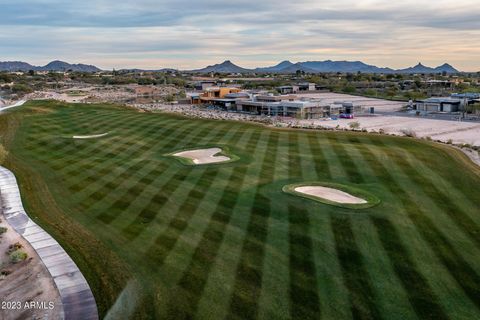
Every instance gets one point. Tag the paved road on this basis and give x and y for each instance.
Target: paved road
(77, 299)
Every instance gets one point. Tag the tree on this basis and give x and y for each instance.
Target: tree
(472, 108)
(391, 92)
(418, 83)
(349, 89)
(170, 98)
(462, 87)
(299, 73)
(21, 88)
(5, 77)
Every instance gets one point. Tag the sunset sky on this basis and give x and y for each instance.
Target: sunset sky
(189, 34)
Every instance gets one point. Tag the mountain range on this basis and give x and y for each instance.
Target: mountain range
(284, 67)
(52, 66)
(323, 66)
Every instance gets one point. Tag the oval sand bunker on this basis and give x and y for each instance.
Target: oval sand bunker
(330, 194)
(203, 156)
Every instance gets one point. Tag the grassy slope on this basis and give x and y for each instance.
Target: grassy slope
(224, 241)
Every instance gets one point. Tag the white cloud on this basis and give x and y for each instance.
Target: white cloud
(190, 34)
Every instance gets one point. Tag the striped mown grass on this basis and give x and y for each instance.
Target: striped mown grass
(224, 241)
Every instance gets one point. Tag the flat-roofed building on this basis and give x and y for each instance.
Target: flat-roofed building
(439, 105)
(217, 93)
(304, 86)
(284, 108)
(204, 85)
(194, 97)
(285, 89)
(467, 95)
(272, 98)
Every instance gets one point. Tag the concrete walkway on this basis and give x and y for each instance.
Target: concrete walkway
(17, 104)
(77, 298)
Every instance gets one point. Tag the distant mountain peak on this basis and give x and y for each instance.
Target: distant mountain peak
(420, 68)
(55, 65)
(276, 68)
(445, 65)
(448, 68)
(324, 66)
(226, 66)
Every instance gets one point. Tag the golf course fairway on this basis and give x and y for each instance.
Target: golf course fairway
(224, 241)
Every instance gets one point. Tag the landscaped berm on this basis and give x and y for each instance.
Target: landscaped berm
(224, 241)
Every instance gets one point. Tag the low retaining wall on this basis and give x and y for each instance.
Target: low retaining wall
(77, 298)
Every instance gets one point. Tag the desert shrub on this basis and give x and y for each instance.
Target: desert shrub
(354, 125)
(18, 256)
(21, 88)
(449, 141)
(3, 230)
(4, 274)
(409, 133)
(14, 247)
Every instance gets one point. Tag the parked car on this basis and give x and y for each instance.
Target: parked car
(346, 116)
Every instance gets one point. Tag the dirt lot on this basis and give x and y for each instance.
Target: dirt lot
(443, 130)
(381, 105)
(28, 290)
(95, 94)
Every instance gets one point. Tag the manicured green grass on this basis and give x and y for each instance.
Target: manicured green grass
(224, 241)
(370, 198)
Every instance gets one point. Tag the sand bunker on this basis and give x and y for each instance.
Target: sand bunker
(330, 194)
(90, 136)
(203, 156)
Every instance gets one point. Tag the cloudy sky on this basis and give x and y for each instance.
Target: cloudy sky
(190, 34)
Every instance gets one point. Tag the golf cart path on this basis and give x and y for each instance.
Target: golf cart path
(17, 104)
(77, 298)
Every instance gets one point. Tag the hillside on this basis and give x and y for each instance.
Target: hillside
(56, 65)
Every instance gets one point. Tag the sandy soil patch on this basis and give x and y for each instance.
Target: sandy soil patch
(330, 194)
(378, 104)
(91, 136)
(28, 280)
(472, 154)
(203, 156)
(443, 130)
